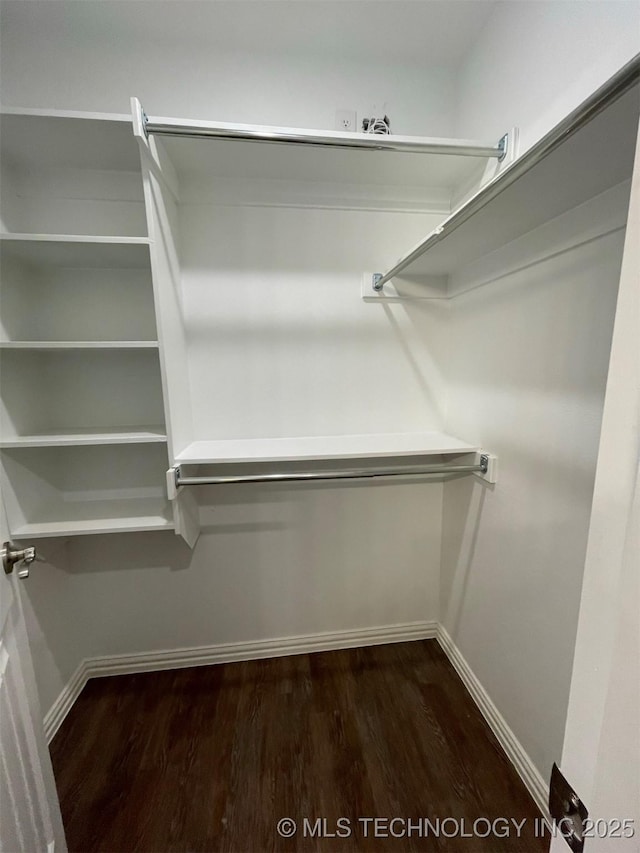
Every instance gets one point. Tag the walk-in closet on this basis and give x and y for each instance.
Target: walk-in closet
(319, 425)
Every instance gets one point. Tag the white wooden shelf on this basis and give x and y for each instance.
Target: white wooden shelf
(89, 436)
(591, 160)
(323, 448)
(75, 345)
(75, 518)
(39, 112)
(77, 250)
(98, 239)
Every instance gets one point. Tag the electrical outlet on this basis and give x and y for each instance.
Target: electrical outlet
(346, 120)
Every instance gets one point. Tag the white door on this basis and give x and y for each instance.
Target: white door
(30, 818)
(601, 754)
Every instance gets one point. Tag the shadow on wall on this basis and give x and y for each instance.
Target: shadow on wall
(117, 552)
(415, 336)
(63, 609)
(463, 504)
(45, 607)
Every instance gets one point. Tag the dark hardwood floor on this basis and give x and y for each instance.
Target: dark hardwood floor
(211, 758)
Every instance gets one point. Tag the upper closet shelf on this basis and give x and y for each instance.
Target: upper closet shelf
(202, 150)
(317, 448)
(588, 152)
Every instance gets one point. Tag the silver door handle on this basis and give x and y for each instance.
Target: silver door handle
(11, 556)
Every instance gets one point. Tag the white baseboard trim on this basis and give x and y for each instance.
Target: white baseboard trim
(254, 650)
(228, 653)
(54, 717)
(516, 753)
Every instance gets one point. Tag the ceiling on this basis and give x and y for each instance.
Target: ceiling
(425, 32)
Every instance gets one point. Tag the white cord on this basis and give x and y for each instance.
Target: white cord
(379, 126)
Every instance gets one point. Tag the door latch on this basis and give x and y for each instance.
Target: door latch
(567, 810)
(11, 556)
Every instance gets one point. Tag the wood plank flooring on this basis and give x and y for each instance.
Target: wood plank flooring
(211, 758)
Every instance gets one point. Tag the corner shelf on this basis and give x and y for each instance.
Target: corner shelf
(589, 152)
(322, 448)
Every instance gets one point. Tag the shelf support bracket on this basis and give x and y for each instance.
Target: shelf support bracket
(503, 147)
(173, 484)
(375, 281)
(139, 120)
(488, 467)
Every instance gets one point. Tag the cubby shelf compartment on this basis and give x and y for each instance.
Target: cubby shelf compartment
(587, 153)
(58, 139)
(76, 518)
(75, 345)
(70, 174)
(89, 436)
(323, 448)
(68, 490)
(60, 290)
(61, 391)
(83, 443)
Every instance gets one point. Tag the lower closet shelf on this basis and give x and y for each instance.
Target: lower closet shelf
(74, 489)
(76, 518)
(327, 447)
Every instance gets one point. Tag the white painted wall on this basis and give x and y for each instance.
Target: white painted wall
(271, 562)
(280, 341)
(528, 383)
(528, 366)
(55, 631)
(536, 60)
(275, 63)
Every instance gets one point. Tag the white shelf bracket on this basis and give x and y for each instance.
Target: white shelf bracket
(172, 487)
(503, 146)
(186, 515)
(489, 464)
(139, 119)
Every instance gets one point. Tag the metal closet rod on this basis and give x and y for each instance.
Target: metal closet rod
(344, 474)
(610, 91)
(208, 130)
